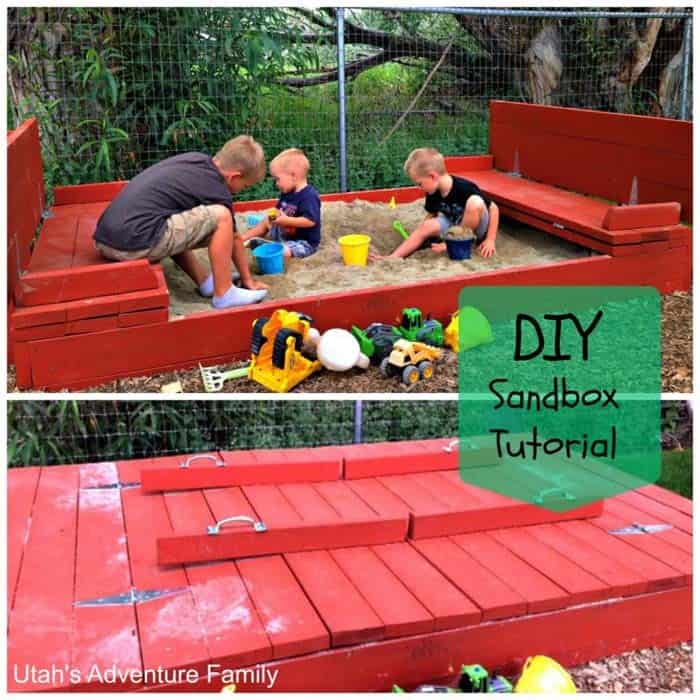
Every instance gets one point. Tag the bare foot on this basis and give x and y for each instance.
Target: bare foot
(438, 247)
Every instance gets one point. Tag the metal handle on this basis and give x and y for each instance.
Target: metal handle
(216, 460)
(258, 525)
(539, 499)
(467, 444)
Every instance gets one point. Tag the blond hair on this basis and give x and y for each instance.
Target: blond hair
(421, 161)
(244, 154)
(294, 157)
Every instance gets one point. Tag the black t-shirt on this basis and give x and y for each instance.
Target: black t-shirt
(307, 203)
(135, 220)
(452, 206)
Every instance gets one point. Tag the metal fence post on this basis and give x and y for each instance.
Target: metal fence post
(685, 71)
(357, 436)
(342, 133)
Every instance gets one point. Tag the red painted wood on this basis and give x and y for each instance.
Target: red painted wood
(140, 318)
(496, 599)
(345, 613)
(345, 502)
(642, 216)
(310, 504)
(41, 622)
(566, 146)
(53, 286)
(619, 578)
(446, 603)
(217, 335)
(103, 636)
(21, 493)
(650, 544)
(85, 194)
(400, 612)
(669, 498)
(380, 498)
(622, 510)
(243, 467)
(173, 617)
(657, 574)
(658, 512)
(540, 593)
(25, 197)
(573, 637)
(278, 511)
(290, 621)
(233, 542)
(55, 246)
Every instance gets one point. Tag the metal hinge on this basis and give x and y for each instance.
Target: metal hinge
(559, 226)
(640, 529)
(129, 598)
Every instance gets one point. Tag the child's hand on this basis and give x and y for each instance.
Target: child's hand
(487, 248)
(281, 219)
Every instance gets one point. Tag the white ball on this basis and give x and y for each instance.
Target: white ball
(338, 350)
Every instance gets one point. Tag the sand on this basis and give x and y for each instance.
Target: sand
(325, 272)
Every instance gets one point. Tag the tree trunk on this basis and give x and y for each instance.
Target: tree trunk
(544, 65)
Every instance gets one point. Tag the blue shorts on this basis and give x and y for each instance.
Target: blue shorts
(299, 248)
(479, 232)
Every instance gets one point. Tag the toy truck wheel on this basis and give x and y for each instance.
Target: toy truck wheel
(410, 375)
(279, 348)
(258, 339)
(426, 370)
(385, 368)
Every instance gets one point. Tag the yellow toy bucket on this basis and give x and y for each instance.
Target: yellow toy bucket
(355, 248)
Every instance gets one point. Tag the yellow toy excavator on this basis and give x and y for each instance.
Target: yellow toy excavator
(276, 359)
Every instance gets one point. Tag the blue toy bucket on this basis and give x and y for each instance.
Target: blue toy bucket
(254, 219)
(270, 258)
(459, 249)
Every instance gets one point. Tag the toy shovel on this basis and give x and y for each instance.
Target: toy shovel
(214, 379)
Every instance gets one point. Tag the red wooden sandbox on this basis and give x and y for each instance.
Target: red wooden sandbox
(76, 320)
(379, 566)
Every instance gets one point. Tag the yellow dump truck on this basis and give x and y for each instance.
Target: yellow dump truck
(410, 361)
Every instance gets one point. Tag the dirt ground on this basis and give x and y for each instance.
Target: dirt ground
(325, 272)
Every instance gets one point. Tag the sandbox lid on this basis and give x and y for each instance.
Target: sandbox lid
(85, 588)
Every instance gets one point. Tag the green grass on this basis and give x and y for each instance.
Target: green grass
(677, 472)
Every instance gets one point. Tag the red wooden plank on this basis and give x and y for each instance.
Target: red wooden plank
(25, 195)
(310, 504)
(85, 252)
(289, 619)
(400, 612)
(573, 637)
(55, 245)
(21, 492)
(139, 318)
(245, 467)
(539, 592)
(220, 336)
(345, 501)
(642, 216)
(104, 636)
(414, 495)
(676, 537)
(619, 578)
(446, 603)
(272, 505)
(657, 574)
(658, 511)
(346, 614)
(379, 498)
(657, 548)
(235, 634)
(236, 541)
(669, 498)
(496, 599)
(173, 616)
(83, 194)
(41, 622)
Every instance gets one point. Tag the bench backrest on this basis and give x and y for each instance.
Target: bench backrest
(26, 198)
(619, 157)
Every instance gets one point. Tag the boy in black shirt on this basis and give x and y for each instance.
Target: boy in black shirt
(298, 224)
(182, 203)
(449, 201)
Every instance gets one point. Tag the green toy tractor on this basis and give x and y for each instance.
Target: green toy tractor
(377, 340)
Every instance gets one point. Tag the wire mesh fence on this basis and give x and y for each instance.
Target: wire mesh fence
(69, 432)
(117, 89)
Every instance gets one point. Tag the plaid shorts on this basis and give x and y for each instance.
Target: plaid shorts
(298, 248)
(184, 231)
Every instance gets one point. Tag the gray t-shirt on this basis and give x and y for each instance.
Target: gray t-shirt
(135, 220)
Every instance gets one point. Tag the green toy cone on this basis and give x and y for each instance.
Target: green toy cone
(474, 328)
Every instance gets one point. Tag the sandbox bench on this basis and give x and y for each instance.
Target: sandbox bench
(76, 320)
